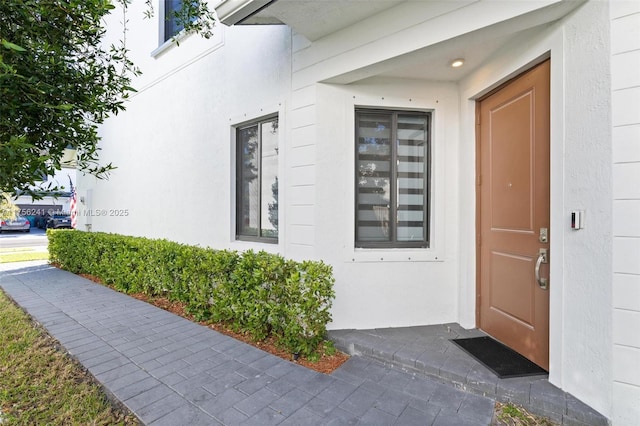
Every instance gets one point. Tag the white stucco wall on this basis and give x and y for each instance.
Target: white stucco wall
(173, 146)
(625, 86)
(580, 284)
(381, 287)
(175, 176)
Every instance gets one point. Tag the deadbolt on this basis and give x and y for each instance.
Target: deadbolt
(544, 235)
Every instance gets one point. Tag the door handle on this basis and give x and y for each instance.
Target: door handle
(542, 258)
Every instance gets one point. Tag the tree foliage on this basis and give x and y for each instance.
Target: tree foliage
(8, 210)
(58, 83)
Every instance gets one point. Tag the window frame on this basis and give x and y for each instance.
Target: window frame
(238, 185)
(393, 243)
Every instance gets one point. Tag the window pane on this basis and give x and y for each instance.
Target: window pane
(411, 178)
(269, 211)
(249, 184)
(171, 26)
(373, 177)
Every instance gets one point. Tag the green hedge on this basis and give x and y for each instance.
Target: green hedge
(259, 293)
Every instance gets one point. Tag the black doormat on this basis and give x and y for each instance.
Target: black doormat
(503, 361)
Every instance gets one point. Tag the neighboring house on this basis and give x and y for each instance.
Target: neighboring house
(345, 135)
(50, 204)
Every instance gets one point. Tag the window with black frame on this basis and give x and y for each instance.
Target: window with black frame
(257, 181)
(392, 178)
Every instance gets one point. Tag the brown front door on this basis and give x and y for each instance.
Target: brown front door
(513, 214)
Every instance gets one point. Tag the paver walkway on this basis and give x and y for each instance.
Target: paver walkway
(170, 371)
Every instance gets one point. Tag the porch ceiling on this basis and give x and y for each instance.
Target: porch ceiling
(315, 19)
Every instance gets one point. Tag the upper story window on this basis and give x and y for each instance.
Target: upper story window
(392, 178)
(257, 181)
(171, 25)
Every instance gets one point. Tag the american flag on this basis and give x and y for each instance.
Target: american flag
(73, 207)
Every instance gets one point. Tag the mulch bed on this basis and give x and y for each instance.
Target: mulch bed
(326, 364)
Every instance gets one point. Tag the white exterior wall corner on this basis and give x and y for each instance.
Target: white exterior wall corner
(581, 179)
(625, 77)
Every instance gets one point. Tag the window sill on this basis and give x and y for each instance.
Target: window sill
(395, 255)
(167, 45)
(242, 245)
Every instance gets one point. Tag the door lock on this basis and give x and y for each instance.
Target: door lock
(544, 235)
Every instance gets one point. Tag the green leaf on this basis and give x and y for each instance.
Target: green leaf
(12, 46)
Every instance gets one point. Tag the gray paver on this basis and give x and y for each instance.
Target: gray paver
(291, 402)
(514, 390)
(185, 415)
(303, 417)
(359, 401)
(338, 392)
(256, 401)
(220, 384)
(393, 403)
(421, 388)
(168, 370)
(106, 376)
(412, 416)
(264, 417)
(137, 388)
(116, 363)
(579, 412)
(125, 380)
(375, 416)
(279, 386)
(448, 417)
(395, 379)
(446, 396)
(148, 396)
(481, 379)
(160, 408)
(223, 401)
(340, 416)
(456, 369)
(253, 384)
(231, 416)
(320, 406)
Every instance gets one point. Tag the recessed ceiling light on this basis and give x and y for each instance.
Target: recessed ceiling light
(457, 63)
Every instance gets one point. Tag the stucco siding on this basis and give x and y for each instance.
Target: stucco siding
(625, 77)
(387, 287)
(173, 147)
(175, 152)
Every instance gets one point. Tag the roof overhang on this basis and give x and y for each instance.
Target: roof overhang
(313, 19)
(419, 51)
(233, 12)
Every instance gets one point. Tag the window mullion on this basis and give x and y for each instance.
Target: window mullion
(393, 180)
(259, 153)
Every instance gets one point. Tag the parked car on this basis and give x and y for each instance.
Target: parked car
(41, 221)
(59, 221)
(20, 223)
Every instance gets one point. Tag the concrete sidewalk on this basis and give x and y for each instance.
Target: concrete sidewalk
(170, 371)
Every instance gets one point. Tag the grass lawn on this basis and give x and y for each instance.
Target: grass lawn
(512, 415)
(40, 384)
(23, 256)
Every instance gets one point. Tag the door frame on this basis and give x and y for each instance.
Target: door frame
(477, 193)
(502, 68)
